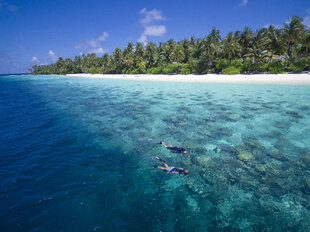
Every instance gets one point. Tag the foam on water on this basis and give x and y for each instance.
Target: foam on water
(76, 155)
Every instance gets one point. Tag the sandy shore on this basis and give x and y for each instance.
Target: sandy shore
(299, 79)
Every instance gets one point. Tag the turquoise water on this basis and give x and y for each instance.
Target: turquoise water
(76, 155)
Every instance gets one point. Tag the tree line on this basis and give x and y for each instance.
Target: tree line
(272, 50)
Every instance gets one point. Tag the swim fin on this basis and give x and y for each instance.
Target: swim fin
(160, 159)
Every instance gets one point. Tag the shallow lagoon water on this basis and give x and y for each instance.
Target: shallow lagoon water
(76, 155)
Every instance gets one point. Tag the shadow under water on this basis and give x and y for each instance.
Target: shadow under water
(248, 156)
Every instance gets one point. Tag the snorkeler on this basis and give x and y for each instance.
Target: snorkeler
(171, 169)
(174, 149)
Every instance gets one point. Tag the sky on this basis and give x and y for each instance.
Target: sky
(40, 31)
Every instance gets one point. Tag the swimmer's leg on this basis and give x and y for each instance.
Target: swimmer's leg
(162, 168)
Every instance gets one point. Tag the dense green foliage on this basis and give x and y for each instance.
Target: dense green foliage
(276, 67)
(94, 70)
(231, 70)
(299, 65)
(271, 49)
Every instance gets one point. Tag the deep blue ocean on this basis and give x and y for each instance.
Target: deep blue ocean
(76, 154)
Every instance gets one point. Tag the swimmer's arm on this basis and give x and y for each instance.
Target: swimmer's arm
(164, 145)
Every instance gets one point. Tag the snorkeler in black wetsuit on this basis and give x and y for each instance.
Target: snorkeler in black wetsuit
(171, 169)
(174, 149)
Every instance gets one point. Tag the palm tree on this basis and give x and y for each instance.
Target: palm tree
(197, 48)
(68, 66)
(306, 41)
(77, 64)
(60, 64)
(110, 65)
(211, 46)
(306, 45)
(258, 49)
(262, 45)
(162, 60)
(276, 43)
(89, 61)
(198, 59)
(141, 64)
(104, 63)
(178, 53)
(138, 53)
(128, 55)
(118, 59)
(167, 50)
(215, 35)
(171, 44)
(129, 49)
(187, 49)
(245, 41)
(128, 61)
(230, 47)
(151, 55)
(294, 31)
(193, 41)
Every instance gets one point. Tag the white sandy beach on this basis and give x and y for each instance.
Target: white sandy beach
(299, 79)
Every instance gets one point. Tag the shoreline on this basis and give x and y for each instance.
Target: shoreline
(298, 79)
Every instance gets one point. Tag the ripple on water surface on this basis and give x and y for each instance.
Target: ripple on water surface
(76, 155)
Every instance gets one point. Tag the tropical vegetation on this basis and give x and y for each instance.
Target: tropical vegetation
(267, 50)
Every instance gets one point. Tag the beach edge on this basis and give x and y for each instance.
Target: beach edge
(300, 78)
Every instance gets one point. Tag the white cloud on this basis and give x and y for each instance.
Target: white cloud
(142, 39)
(149, 23)
(35, 59)
(155, 30)
(243, 3)
(307, 21)
(151, 16)
(77, 47)
(103, 36)
(97, 50)
(96, 41)
(268, 25)
(52, 56)
(92, 45)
